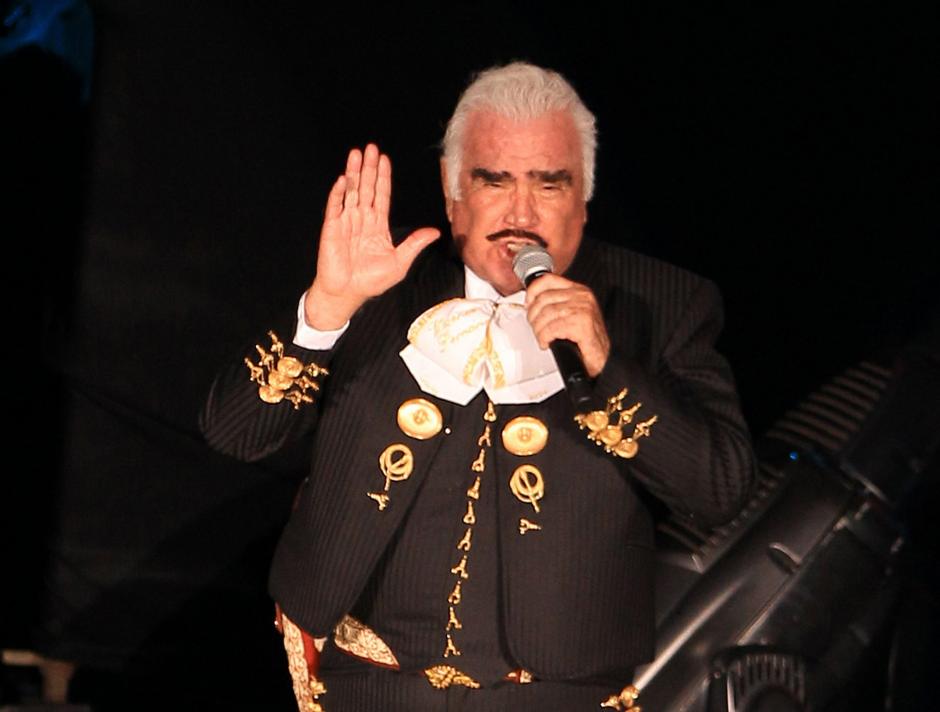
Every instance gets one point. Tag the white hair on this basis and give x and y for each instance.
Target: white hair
(519, 91)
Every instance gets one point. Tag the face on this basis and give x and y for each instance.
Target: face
(520, 182)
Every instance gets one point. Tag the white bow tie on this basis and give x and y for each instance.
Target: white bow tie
(462, 346)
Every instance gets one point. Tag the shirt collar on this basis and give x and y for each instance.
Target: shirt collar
(475, 287)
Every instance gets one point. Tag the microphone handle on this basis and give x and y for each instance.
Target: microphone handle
(572, 372)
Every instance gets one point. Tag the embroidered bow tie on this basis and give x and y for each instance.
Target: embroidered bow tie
(462, 346)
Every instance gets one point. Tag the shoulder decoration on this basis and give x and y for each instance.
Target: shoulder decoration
(281, 377)
(605, 427)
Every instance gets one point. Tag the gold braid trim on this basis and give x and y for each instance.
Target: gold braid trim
(281, 377)
(443, 676)
(306, 687)
(605, 427)
(358, 639)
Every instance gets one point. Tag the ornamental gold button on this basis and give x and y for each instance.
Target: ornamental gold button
(420, 418)
(595, 420)
(611, 435)
(279, 381)
(525, 435)
(290, 366)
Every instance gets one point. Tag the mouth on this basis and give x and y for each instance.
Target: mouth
(512, 240)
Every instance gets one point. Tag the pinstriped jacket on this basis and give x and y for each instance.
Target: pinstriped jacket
(577, 598)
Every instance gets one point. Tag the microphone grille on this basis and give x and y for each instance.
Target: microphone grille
(531, 260)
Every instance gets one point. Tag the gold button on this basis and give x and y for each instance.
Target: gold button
(290, 366)
(270, 395)
(420, 418)
(525, 435)
(280, 381)
(626, 448)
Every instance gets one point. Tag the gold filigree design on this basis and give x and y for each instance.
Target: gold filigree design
(605, 427)
(451, 648)
(281, 377)
(526, 526)
(396, 463)
(358, 639)
(443, 676)
(626, 700)
(307, 688)
(528, 485)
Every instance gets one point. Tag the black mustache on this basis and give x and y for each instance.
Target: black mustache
(516, 232)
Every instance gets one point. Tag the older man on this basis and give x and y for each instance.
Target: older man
(466, 539)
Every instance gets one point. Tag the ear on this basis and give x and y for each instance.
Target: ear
(448, 198)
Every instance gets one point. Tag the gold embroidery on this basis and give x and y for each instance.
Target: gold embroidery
(525, 525)
(443, 676)
(607, 432)
(283, 377)
(480, 463)
(451, 649)
(358, 639)
(455, 595)
(528, 485)
(397, 464)
(484, 439)
(624, 701)
(464, 544)
(461, 568)
(490, 415)
(474, 491)
(307, 688)
(452, 622)
(469, 517)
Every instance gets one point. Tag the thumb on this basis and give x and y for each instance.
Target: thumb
(412, 245)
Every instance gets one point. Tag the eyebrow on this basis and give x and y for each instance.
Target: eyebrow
(562, 175)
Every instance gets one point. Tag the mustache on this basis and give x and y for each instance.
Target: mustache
(516, 232)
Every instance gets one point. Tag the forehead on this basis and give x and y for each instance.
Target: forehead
(546, 143)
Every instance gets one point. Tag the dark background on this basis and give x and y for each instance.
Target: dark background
(787, 153)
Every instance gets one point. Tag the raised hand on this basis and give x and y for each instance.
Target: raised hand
(357, 259)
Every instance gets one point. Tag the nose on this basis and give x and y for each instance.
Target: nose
(522, 211)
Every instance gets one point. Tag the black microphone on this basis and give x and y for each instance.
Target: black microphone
(530, 263)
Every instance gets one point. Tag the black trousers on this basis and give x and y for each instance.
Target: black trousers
(379, 690)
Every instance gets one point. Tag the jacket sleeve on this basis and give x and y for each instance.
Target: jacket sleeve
(237, 421)
(697, 458)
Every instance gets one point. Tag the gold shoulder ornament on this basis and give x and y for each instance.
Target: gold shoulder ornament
(605, 427)
(281, 377)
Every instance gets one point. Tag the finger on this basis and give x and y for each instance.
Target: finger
(370, 162)
(408, 250)
(353, 168)
(383, 187)
(334, 201)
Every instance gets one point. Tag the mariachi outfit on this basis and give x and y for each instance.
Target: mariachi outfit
(477, 546)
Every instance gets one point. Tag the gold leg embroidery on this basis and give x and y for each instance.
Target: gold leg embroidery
(525, 526)
(464, 545)
(443, 676)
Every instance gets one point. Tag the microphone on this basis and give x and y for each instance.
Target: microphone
(530, 263)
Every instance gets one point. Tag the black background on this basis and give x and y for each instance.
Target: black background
(787, 153)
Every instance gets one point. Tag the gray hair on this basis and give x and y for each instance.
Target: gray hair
(519, 91)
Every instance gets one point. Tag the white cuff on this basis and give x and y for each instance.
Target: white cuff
(315, 339)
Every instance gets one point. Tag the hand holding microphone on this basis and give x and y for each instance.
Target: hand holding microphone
(566, 318)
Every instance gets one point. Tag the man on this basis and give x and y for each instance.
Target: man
(466, 539)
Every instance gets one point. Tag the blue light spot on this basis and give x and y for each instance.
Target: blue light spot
(794, 455)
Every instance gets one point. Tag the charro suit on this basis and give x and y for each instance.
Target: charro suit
(575, 597)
